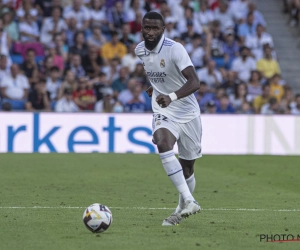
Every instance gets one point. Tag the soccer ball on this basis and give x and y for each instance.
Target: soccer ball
(97, 218)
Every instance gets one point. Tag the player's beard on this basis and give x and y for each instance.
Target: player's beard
(150, 45)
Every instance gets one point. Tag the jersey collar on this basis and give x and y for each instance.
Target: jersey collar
(158, 47)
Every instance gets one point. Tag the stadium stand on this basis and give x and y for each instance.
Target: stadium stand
(78, 55)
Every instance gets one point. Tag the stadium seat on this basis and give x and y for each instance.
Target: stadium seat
(16, 104)
(18, 59)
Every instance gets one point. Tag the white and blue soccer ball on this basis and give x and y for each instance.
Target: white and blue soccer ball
(97, 218)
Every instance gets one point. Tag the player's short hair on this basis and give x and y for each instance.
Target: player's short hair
(152, 15)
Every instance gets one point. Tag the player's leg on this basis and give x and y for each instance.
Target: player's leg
(165, 141)
(188, 172)
(189, 149)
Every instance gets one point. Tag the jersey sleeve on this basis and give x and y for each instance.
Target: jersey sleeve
(180, 57)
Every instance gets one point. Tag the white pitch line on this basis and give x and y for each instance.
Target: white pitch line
(163, 208)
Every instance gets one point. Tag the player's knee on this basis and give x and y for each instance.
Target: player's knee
(187, 171)
(163, 146)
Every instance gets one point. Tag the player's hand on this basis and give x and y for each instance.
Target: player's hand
(163, 101)
(149, 91)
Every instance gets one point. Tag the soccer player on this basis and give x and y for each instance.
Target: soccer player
(176, 111)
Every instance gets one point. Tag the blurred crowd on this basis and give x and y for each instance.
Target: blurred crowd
(78, 55)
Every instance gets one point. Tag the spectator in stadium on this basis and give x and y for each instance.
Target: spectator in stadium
(196, 51)
(76, 66)
(135, 6)
(78, 11)
(210, 107)
(84, 97)
(99, 83)
(116, 16)
(215, 40)
(190, 33)
(239, 97)
(5, 42)
(230, 82)
(118, 108)
(136, 25)
(114, 48)
(178, 7)
(140, 75)
(52, 25)
(258, 17)
(96, 39)
(218, 95)
(230, 47)
(38, 99)
(257, 41)
(92, 62)
(26, 6)
(289, 97)
(267, 65)
(254, 85)
(246, 109)
(262, 99)
(247, 28)
(126, 38)
(44, 70)
(224, 15)
(121, 83)
(71, 31)
(224, 107)
(68, 83)
(30, 68)
(130, 60)
(66, 103)
(98, 15)
(58, 60)
(127, 94)
(296, 109)
(205, 16)
(80, 47)
(135, 105)
(9, 25)
(211, 76)
(14, 88)
(276, 89)
(170, 30)
(105, 104)
(240, 9)
(243, 65)
(112, 70)
(203, 96)
(62, 48)
(3, 68)
(29, 31)
(189, 17)
(270, 108)
(53, 83)
(45, 7)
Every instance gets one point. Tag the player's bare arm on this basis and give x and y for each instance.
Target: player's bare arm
(188, 88)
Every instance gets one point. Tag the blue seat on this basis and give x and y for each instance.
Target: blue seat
(39, 59)
(18, 59)
(16, 104)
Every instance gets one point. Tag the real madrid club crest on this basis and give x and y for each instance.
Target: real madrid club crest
(162, 63)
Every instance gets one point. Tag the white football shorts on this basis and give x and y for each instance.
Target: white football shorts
(188, 135)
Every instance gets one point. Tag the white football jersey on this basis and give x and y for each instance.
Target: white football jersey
(163, 66)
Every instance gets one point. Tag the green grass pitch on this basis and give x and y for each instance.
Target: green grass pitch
(126, 183)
